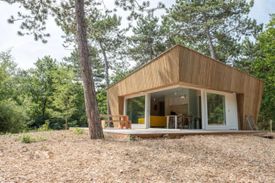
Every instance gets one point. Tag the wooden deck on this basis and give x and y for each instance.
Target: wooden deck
(131, 134)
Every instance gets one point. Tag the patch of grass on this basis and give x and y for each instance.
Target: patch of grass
(78, 131)
(6, 133)
(27, 139)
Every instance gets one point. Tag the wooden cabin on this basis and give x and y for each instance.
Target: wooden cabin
(181, 83)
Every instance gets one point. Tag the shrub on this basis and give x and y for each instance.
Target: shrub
(56, 123)
(12, 117)
(78, 131)
(27, 139)
(44, 127)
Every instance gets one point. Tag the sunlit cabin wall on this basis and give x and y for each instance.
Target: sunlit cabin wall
(161, 72)
(202, 71)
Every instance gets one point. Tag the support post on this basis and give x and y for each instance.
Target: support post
(147, 110)
(203, 110)
(270, 126)
(167, 122)
(176, 122)
(124, 106)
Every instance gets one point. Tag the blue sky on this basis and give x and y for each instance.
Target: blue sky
(26, 51)
(262, 9)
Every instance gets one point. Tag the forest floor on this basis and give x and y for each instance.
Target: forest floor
(64, 156)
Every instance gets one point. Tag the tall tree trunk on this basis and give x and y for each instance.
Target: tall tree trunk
(66, 123)
(106, 70)
(95, 128)
(44, 105)
(210, 44)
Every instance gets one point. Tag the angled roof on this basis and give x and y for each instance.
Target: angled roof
(173, 48)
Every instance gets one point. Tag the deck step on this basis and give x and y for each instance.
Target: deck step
(267, 135)
(128, 135)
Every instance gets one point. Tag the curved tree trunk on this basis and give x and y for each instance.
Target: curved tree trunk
(106, 75)
(95, 128)
(210, 45)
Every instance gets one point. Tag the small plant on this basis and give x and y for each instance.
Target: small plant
(27, 139)
(78, 131)
(40, 139)
(44, 127)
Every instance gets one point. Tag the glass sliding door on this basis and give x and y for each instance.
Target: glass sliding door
(216, 109)
(183, 102)
(136, 109)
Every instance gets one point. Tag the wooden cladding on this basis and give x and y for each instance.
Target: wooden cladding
(182, 65)
(161, 72)
(208, 73)
(205, 72)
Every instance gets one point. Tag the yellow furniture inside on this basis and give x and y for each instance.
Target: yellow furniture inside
(155, 121)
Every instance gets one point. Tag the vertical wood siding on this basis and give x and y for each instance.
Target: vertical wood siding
(161, 72)
(207, 73)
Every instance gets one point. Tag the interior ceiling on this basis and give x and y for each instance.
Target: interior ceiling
(174, 91)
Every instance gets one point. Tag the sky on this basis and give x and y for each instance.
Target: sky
(25, 50)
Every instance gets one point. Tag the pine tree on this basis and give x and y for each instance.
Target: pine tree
(214, 27)
(95, 127)
(147, 38)
(104, 35)
(146, 41)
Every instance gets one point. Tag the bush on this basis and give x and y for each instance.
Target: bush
(56, 123)
(78, 131)
(13, 117)
(44, 127)
(263, 123)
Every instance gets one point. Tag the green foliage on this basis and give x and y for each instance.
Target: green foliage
(213, 27)
(106, 38)
(98, 68)
(101, 98)
(65, 96)
(259, 60)
(7, 74)
(78, 131)
(41, 90)
(48, 96)
(54, 94)
(27, 139)
(44, 127)
(12, 117)
(119, 75)
(264, 68)
(147, 40)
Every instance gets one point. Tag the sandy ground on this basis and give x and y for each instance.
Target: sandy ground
(67, 157)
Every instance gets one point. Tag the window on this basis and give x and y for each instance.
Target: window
(216, 109)
(136, 108)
